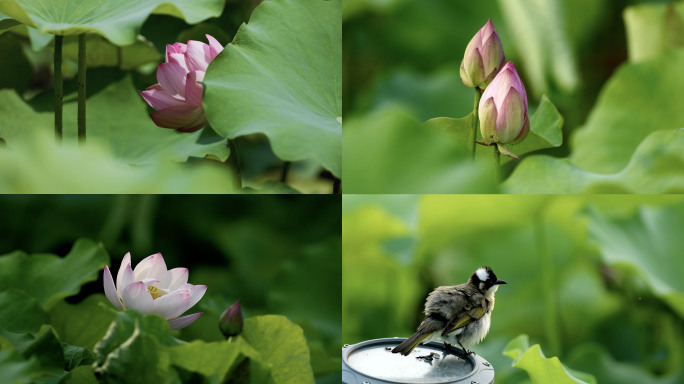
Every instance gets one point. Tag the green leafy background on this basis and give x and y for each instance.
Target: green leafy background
(611, 70)
(125, 41)
(56, 325)
(594, 289)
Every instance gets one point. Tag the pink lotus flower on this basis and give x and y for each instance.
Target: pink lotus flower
(151, 288)
(178, 96)
(503, 111)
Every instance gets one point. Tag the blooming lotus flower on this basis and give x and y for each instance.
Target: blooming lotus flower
(177, 97)
(231, 320)
(151, 288)
(503, 111)
(483, 57)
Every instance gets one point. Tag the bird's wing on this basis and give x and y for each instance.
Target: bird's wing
(430, 324)
(464, 318)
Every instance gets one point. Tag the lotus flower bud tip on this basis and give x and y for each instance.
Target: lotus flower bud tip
(231, 320)
(483, 58)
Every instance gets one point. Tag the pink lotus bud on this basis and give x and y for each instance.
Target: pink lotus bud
(178, 95)
(231, 320)
(503, 110)
(151, 288)
(483, 58)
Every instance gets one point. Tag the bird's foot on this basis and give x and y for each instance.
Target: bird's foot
(449, 349)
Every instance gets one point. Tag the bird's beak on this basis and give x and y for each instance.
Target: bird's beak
(500, 282)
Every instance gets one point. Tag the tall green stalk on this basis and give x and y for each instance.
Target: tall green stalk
(283, 174)
(59, 89)
(497, 162)
(81, 89)
(476, 122)
(235, 161)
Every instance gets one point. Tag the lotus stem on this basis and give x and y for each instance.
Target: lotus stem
(235, 161)
(283, 174)
(59, 88)
(476, 122)
(81, 89)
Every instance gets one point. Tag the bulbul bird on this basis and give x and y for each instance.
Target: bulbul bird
(457, 314)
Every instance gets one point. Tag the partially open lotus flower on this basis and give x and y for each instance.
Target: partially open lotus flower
(503, 111)
(177, 97)
(151, 288)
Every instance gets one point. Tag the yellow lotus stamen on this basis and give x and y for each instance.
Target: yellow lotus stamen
(154, 291)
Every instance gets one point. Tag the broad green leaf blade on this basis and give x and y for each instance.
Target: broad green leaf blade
(76, 356)
(209, 359)
(20, 313)
(653, 28)
(48, 278)
(40, 166)
(82, 375)
(117, 20)
(281, 76)
(545, 129)
(639, 99)
(85, 323)
(101, 53)
(541, 369)
(47, 349)
(281, 343)
(16, 368)
(596, 359)
(656, 167)
(132, 136)
(7, 23)
(390, 152)
(646, 244)
(130, 336)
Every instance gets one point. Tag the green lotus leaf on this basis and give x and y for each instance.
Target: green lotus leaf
(282, 345)
(623, 243)
(281, 76)
(39, 165)
(639, 99)
(542, 369)
(20, 313)
(117, 20)
(101, 53)
(48, 278)
(655, 167)
(131, 137)
(390, 152)
(82, 324)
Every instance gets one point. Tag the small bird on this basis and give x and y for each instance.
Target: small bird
(457, 314)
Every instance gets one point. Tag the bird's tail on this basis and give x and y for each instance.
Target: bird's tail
(407, 346)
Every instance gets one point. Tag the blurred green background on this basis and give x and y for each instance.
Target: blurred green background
(594, 59)
(595, 280)
(277, 254)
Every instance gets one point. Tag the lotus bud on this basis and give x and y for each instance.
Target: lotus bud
(484, 57)
(503, 111)
(231, 320)
(177, 97)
